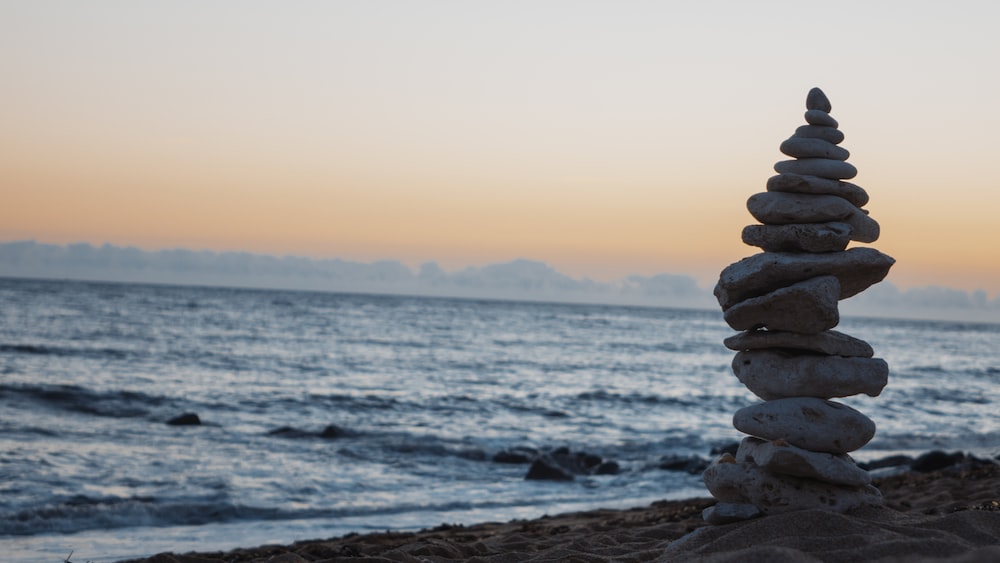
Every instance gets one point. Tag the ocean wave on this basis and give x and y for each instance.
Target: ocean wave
(116, 404)
(80, 512)
(62, 351)
(387, 343)
(930, 395)
(349, 402)
(635, 398)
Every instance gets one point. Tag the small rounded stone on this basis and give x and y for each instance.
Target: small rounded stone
(822, 167)
(818, 117)
(816, 99)
(829, 134)
(797, 183)
(807, 147)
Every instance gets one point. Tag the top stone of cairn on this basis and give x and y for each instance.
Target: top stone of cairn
(816, 99)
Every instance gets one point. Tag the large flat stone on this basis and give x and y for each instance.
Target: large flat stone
(807, 307)
(856, 269)
(735, 482)
(829, 342)
(782, 458)
(803, 237)
(813, 424)
(806, 184)
(780, 208)
(776, 374)
(809, 147)
(822, 167)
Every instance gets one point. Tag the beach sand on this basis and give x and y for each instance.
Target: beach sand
(946, 515)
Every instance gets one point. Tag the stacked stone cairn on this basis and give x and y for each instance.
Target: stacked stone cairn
(785, 300)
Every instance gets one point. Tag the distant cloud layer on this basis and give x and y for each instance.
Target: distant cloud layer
(518, 279)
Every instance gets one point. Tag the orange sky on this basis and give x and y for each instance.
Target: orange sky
(602, 138)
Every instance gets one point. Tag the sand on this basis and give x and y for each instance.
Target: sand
(947, 515)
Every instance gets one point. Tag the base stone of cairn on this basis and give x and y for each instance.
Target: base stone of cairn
(785, 300)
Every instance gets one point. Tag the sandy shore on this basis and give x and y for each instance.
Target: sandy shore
(947, 515)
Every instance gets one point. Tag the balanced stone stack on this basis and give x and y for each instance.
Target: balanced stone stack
(785, 300)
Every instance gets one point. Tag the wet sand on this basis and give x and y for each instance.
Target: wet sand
(947, 515)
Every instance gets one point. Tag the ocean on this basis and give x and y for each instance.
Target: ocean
(323, 414)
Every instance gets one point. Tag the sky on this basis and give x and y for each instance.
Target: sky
(603, 138)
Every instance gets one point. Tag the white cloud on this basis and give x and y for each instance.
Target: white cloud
(518, 279)
(930, 302)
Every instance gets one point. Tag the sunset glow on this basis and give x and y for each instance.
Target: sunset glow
(602, 138)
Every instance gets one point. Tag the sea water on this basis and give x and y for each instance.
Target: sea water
(416, 396)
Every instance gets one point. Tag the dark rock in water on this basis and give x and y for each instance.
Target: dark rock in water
(516, 455)
(289, 432)
(891, 461)
(692, 464)
(608, 468)
(978, 461)
(934, 460)
(546, 469)
(578, 463)
(558, 463)
(589, 461)
(729, 448)
(333, 432)
(186, 419)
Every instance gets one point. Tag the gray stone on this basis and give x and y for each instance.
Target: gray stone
(863, 227)
(820, 117)
(716, 479)
(816, 99)
(855, 268)
(829, 134)
(829, 342)
(780, 208)
(727, 513)
(806, 307)
(776, 374)
(822, 167)
(807, 147)
(803, 184)
(735, 482)
(807, 422)
(804, 237)
(782, 458)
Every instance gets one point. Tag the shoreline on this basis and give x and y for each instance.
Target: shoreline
(950, 514)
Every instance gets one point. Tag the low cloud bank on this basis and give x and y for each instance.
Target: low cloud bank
(931, 302)
(518, 279)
